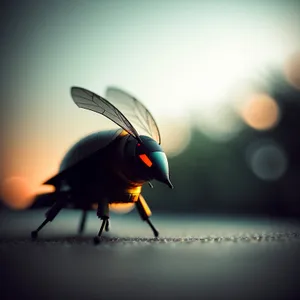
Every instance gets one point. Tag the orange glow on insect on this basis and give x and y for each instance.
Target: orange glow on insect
(145, 205)
(146, 159)
(121, 208)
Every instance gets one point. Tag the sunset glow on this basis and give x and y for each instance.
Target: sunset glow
(17, 192)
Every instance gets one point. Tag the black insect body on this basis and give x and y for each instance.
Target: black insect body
(110, 167)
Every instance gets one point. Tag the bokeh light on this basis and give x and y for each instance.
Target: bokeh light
(292, 69)
(176, 135)
(267, 160)
(17, 192)
(260, 111)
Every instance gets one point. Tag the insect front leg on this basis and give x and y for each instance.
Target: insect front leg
(145, 213)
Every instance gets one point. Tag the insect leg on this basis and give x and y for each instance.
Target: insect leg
(50, 215)
(97, 238)
(145, 213)
(103, 214)
(82, 221)
(107, 225)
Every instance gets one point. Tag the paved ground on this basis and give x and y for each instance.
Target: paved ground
(195, 258)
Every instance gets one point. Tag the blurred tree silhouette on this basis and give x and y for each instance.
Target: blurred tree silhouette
(211, 177)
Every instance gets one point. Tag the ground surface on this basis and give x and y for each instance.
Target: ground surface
(195, 258)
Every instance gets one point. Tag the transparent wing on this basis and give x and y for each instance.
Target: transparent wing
(135, 111)
(89, 100)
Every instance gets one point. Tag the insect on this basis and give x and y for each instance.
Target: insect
(111, 166)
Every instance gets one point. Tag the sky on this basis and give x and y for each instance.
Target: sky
(182, 59)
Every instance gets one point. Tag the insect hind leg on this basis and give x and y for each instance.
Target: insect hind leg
(50, 216)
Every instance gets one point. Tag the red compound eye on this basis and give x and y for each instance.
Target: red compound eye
(146, 159)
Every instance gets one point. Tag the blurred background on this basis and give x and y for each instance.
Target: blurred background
(221, 78)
